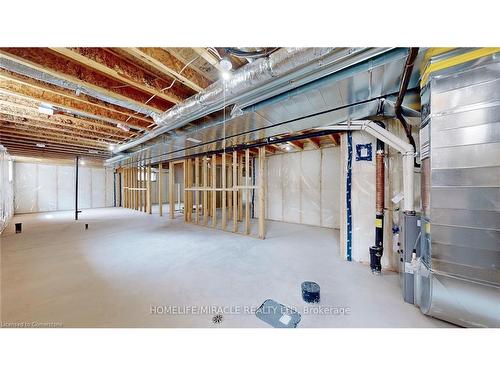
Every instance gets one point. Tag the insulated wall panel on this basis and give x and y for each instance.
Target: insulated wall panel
(291, 187)
(363, 201)
(25, 188)
(330, 187)
(98, 181)
(304, 187)
(109, 188)
(310, 187)
(47, 188)
(84, 187)
(65, 187)
(274, 188)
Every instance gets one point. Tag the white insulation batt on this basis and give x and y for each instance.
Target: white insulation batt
(363, 198)
(51, 187)
(6, 188)
(304, 187)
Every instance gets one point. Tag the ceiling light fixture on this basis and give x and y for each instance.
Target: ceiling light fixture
(225, 64)
(226, 75)
(193, 140)
(41, 145)
(111, 147)
(46, 109)
(123, 127)
(93, 152)
(82, 162)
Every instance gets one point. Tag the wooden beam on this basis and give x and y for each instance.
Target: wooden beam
(39, 152)
(20, 110)
(62, 68)
(159, 182)
(65, 98)
(163, 61)
(197, 184)
(49, 140)
(223, 193)
(20, 122)
(29, 129)
(247, 192)
(198, 64)
(314, 143)
(171, 195)
(235, 192)
(333, 139)
(296, 145)
(214, 193)
(207, 56)
(148, 190)
(205, 193)
(109, 64)
(240, 192)
(262, 200)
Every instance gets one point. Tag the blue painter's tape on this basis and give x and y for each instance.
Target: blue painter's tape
(348, 196)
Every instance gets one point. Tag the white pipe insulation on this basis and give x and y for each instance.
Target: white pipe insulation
(405, 148)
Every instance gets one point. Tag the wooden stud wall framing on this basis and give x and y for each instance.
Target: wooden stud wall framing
(204, 185)
(159, 181)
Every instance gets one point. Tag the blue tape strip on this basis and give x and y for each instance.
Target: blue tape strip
(348, 196)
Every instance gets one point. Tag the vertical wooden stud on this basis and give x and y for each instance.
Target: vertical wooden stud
(214, 192)
(247, 191)
(205, 192)
(262, 176)
(159, 182)
(148, 190)
(235, 192)
(224, 192)
(197, 184)
(171, 195)
(240, 191)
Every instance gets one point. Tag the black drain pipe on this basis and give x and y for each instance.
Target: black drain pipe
(405, 80)
(377, 251)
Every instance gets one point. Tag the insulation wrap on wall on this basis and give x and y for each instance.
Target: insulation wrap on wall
(304, 187)
(42, 187)
(6, 188)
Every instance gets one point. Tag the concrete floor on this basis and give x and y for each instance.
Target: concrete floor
(127, 262)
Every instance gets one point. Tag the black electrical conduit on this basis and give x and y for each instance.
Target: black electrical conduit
(405, 80)
(269, 141)
(262, 128)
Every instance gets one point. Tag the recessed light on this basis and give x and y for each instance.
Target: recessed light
(41, 145)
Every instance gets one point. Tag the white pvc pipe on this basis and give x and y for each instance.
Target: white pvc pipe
(393, 141)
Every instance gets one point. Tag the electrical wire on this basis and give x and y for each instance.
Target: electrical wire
(166, 88)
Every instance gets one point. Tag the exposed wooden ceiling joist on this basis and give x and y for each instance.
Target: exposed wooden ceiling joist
(9, 107)
(111, 65)
(58, 66)
(207, 56)
(165, 62)
(49, 94)
(29, 128)
(48, 137)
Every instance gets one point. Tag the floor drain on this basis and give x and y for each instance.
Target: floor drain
(217, 319)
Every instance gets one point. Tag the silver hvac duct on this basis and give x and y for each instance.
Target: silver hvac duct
(263, 78)
(458, 272)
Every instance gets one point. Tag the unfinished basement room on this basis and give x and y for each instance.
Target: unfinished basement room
(250, 187)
